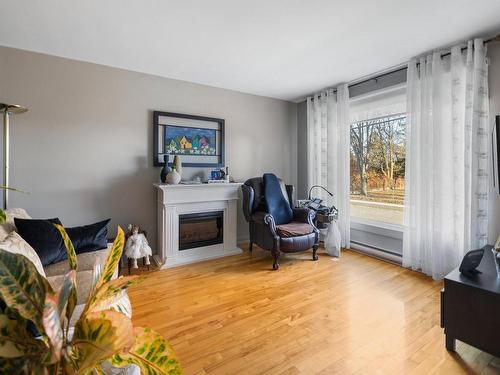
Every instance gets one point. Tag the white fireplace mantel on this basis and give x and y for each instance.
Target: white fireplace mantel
(175, 200)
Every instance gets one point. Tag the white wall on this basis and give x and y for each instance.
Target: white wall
(84, 149)
(494, 86)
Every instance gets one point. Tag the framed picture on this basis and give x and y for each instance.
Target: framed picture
(198, 140)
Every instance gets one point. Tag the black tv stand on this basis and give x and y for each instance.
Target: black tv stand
(470, 307)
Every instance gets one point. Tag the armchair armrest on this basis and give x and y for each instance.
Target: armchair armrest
(271, 224)
(306, 215)
(265, 219)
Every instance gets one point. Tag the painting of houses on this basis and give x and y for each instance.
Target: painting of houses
(190, 141)
(185, 143)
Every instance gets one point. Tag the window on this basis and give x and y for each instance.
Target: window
(377, 160)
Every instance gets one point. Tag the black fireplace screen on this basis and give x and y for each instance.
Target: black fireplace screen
(200, 229)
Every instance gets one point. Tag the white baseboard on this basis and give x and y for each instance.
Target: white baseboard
(376, 253)
(175, 262)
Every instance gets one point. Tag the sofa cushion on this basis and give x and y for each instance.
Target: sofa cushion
(83, 284)
(294, 229)
(90, 237)
(9, 225)
(15, 244)
(44, 238)
(85, 262)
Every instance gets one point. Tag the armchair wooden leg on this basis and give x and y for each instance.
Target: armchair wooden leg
(276, 256)
(315, 249)
(276, 253)
(250, 248)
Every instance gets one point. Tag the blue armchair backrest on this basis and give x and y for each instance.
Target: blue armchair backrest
(277, 201)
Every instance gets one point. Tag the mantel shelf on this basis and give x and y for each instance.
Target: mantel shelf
(180, 186)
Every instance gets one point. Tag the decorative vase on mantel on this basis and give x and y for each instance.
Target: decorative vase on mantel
(173, 178)
(496, 257)
(165, 170)
(178, 164)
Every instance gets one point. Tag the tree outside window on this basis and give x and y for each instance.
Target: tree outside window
(378, 168)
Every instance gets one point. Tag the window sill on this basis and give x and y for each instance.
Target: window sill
(377, 227)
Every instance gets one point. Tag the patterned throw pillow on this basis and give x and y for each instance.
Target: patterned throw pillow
(9, 225)
(15, 244)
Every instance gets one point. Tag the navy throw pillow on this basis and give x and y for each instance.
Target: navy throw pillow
(44, 238)
(277, 203)
(90, 237)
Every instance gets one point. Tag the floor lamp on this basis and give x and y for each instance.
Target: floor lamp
(7, 110)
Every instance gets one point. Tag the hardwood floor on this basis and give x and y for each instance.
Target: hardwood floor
(356, 315)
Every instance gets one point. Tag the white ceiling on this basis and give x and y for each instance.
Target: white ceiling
(284, 49)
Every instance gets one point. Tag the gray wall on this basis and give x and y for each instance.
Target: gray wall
(84, 149)
(494, 86)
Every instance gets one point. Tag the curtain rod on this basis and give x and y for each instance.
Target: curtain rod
(494, 39)
(363, 81)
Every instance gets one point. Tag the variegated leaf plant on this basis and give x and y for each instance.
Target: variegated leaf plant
(34, 321)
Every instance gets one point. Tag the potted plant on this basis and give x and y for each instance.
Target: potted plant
(35, 335)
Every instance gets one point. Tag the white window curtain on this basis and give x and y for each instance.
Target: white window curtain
(447, 152)
(328, 145)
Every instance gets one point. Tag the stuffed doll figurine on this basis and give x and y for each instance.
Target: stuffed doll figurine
(137, 246)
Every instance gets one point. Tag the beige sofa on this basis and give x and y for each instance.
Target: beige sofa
(55, 272)
(55, 275)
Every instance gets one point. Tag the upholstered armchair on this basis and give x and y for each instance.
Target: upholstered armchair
(298, 233)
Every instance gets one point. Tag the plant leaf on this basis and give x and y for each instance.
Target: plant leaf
(151, 352)
(70, 249)
(73, 264)
(3, 187)
(98, 336)
(15, 340)
(97, 370)
(122, 305)
(21, 366)
(3, 216)
(69, 283)
(109, 292)
(112, 259)
(96, 274)
(22, 287)
(52, 326)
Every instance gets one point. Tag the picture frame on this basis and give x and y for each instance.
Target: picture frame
(198, 140)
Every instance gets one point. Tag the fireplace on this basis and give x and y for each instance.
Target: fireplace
(216, 208)
(200, 229)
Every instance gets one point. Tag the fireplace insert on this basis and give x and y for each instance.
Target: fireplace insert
(200, 229)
